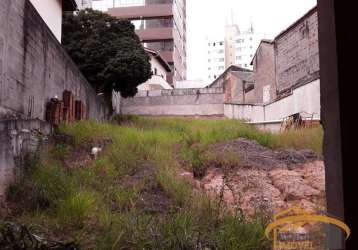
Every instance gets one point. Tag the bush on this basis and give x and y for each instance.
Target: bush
(124, 119)
(76, 207)
(239, 234)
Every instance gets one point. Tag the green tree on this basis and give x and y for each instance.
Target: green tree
(107, 51)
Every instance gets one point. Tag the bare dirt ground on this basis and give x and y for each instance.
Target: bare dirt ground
(266, 180)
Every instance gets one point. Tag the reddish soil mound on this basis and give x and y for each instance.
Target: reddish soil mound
(266, 180)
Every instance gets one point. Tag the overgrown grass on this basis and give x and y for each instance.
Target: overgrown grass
(101, 205)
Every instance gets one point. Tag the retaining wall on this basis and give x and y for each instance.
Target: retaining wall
(34, 67)
(302, 99)
(18, 137)
(187, 102)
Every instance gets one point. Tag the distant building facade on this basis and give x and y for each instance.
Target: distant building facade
(160, 25)
(264, 72)
(84, 4)
(215, 58)
(281, 65)
(237, 47)
(236, 83)
(160, 69)
(289, 61)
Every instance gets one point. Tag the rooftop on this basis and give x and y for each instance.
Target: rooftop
(161, 60)
(233, 68)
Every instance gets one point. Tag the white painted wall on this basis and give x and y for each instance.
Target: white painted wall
(306, 98)
(303, 99)
(248, 112)
(155, 82)
(51, 13)
(159, 77)
(190, 84)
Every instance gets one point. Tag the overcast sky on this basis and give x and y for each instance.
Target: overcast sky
(208, 18)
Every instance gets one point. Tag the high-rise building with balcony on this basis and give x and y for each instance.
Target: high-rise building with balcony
(160, 25)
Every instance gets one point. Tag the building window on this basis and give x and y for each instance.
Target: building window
(221, 43)
(155, 71)
(209, 68)
(209, 60)
(221, 67)
(214, 76)
(208, 44)
(214, 44)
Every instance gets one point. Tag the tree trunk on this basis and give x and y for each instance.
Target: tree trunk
(109, 104)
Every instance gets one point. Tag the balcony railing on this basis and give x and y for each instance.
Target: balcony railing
(152, 11)
(155, 34)
(105, 5)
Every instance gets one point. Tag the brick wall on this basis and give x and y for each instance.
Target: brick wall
(264, 72)
(296, 49)
(34, 66)
(233, 81)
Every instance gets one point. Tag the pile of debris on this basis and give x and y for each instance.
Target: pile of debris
(14, 236)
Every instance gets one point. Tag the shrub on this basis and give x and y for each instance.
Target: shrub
(76, 207)
(240, 234)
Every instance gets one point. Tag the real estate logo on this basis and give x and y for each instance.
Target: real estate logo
(288, 229)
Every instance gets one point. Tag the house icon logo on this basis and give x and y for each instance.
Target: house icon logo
(296, 228)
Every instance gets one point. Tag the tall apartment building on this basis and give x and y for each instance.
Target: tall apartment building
(160, 25)
(237, 47)
(215, 60)
(84, 4)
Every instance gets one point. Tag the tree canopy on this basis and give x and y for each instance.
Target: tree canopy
(107, 51)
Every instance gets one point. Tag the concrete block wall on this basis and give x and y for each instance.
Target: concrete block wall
(34, 67)
(296, 53)
(247, 112)
(303, 99)
(187, 102)
(18, 137)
